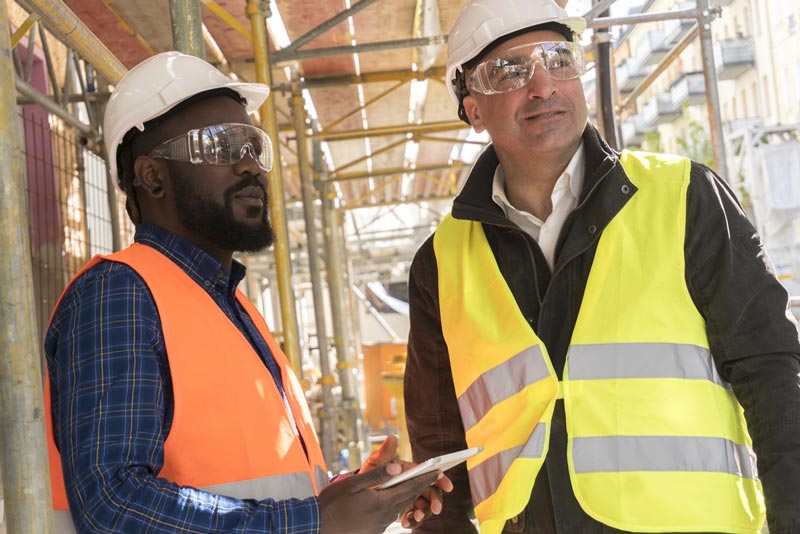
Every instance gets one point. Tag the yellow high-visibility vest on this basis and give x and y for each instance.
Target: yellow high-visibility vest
(657, 440)
(503, 378)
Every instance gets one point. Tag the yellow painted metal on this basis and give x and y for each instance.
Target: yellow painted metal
(450, 140)
(400, 129)
(65, 25)
(126, 27)
(23, 452)
(343, 177)
(397, 202)
(367, 103)
(256, 12)
(378, 189)
(430, 178)
(229, 19)
(374, 153)
(187, 27)
(23, 29)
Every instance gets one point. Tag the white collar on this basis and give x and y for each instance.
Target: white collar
(573, 173)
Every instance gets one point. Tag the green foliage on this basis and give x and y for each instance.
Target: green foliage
(695, 143)
(652, 141)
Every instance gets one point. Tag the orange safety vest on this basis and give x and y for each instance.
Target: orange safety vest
(231, 433)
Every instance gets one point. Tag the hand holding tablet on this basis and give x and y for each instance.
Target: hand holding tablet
(439, 463)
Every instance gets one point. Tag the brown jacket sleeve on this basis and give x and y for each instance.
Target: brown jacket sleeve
(434, 422)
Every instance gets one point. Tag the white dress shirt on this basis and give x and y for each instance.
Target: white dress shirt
(564, 198)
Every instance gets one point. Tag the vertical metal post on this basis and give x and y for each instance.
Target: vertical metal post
(327, 416)
(187, 27)
(712, 90)
(257, 12)
(351, 405)
(605, 106)
(113, 212)
(23, 447)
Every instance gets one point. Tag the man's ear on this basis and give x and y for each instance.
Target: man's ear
(150, 174)
(472, 109)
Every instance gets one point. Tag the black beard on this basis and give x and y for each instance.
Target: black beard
(215, 222)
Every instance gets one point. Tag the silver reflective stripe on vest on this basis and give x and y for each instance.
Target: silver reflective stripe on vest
(62, 522)
(500, 383)
(485, 477)
(613, 454)
(322, 477)
(278, 487)
(642, 360)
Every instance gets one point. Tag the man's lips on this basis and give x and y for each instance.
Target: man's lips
(251, 194)
(543, 114)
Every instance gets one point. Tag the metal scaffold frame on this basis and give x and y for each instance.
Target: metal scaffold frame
(25, 479)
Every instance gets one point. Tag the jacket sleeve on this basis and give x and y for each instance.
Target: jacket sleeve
(432, 414)
(752, 334)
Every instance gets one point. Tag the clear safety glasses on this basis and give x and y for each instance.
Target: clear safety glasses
(219, 144)
(514, 68)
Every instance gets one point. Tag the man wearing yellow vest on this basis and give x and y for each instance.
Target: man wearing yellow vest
(596, 320)
(170, 406)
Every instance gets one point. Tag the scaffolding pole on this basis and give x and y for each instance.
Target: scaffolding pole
(328, 413)
(187, 27)
(257, 12)
(605, 106)
(62, 22)
(23, 447)
(334, 246)
(712, 90)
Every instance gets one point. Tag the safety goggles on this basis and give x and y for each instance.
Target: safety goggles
(218, 144)
(514, 68)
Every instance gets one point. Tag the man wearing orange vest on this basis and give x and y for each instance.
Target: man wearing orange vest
(605, 324)
(171, 408)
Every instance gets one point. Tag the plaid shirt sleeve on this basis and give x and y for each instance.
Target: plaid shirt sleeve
(111, 403)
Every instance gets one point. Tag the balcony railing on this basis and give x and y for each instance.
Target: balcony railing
(659, 110)
(629, 75)
(651, 49)
(733, 57)
(633, 130)
(674, 29)
(689, 89)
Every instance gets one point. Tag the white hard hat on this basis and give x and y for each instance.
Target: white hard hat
(482, 22)
(157, 85)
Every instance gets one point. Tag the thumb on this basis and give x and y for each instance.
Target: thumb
(368, 479)
(385, 453)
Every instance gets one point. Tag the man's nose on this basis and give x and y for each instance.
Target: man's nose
(541, 84)
(249, 162)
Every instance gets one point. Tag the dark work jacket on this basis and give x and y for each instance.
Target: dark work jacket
(731, 281)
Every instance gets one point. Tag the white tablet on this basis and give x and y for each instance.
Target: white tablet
(440, 463)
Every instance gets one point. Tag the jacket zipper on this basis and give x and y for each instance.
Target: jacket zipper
(532, 256)
(580, 205)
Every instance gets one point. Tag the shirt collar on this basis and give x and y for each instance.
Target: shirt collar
(201, 267)
(574, 170)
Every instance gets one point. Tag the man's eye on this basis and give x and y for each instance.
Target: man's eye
(559, 58)
(509, 72)
(562, 61)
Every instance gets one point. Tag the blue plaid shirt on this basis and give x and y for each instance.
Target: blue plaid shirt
(112, 404)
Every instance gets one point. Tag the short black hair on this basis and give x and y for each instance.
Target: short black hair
(126, 155)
